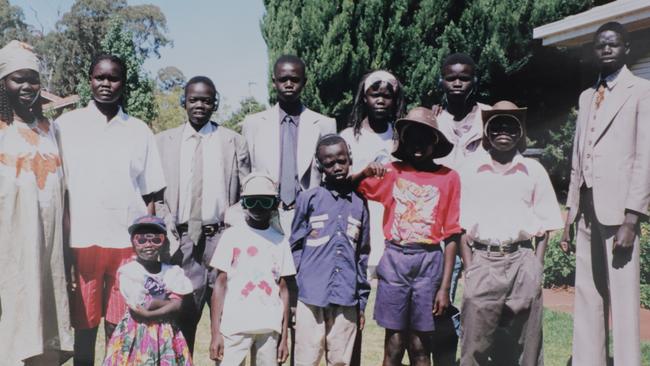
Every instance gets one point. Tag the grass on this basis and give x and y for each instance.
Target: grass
(558, 328)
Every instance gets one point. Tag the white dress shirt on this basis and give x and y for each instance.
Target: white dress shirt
(502, 204)
(213, 187)
(108, 167)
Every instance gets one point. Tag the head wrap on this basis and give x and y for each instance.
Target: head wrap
(382, 76)
(16, 56)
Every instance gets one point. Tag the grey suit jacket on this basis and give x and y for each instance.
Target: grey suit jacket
(262, 133)
(232, 161)
(621, 151)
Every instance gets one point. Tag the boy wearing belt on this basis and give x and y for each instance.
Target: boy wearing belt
(507, 203)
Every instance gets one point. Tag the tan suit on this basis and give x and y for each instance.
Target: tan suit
(611, 154)
(262, 133)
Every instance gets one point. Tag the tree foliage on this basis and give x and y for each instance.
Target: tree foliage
(170, 77)
(170, 113)
(340, 40)
(78, 37)
(246, 106)
(12, 24)
(138, 98)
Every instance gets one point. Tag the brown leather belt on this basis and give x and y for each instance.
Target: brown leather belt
(503, 249)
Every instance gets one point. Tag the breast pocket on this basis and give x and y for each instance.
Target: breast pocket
(317, 232)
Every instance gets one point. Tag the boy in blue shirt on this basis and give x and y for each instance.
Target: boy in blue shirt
(330, 246)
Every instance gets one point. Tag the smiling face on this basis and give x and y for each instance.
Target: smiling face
(199, 102)
(458, 80)
(335, 162)
(504, 132)
(419, 143)
(22, 88)
(380, 102)
(288, 81)
(610, 51)
(106, 82)
(147, 244)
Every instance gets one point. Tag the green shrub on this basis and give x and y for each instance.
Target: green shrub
(559, 268)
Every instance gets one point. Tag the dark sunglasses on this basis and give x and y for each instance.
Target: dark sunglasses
(262, 202)
(507, 129)
(155, 239)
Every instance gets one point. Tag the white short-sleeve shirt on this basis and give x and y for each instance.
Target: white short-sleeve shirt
(108, 167)
(505, 204)
(369, 146)
(254, 261)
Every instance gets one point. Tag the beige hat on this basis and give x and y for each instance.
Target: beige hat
(16, 56)
(505, 109)
(259, 184)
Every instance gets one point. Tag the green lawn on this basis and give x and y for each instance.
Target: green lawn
(558, 328)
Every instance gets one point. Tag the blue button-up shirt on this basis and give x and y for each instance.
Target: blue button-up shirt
(330, 245)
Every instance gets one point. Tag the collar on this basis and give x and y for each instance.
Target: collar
(189, 132)
(611, 79)
(295, 119)
(120, 117)
(485, 162)
(336, 194)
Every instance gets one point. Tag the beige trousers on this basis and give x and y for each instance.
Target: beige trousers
(263, 349)
(604, 282)
(330, 330)
(502, 310)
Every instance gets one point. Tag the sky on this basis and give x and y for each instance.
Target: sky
(220, 39)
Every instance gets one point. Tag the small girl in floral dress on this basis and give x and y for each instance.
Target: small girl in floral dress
(147, 335)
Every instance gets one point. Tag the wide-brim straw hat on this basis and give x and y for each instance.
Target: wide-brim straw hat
(506, 109)
(424, 116)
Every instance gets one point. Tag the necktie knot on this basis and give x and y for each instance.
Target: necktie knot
(287, 119)
(600, 94)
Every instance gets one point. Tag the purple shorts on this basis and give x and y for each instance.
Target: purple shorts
(408, 278)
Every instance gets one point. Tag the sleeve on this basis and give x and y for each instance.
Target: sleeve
(362, 264)
(451, 219)
(378, 189)
(288, 268)
(131, 285)
(177, 282)
(638, 195)
(151, 178)
(223, 254)
(300, 227)
(545, 205)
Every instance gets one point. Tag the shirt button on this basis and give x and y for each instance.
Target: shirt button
(338, 233)
(338, 252)
(594, 117)
(589, 142)
(337, 270)
(593, 129)
(339, 216)
(588, 155)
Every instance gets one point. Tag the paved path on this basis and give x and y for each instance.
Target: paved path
(562, 300)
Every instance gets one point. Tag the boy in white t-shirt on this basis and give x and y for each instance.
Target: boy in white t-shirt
(250, 301)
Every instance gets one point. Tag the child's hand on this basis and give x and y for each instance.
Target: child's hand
(283, 350)
(216, 348)
(374, 169)
(441, 302)
(362, 320)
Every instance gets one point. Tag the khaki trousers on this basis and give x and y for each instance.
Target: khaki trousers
(327, 330)
(263, 349)
(604, 281)
(502, 310)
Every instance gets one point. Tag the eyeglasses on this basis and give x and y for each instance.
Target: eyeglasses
(259, 201)
(155, 239)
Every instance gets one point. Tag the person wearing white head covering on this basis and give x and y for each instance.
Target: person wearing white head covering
(35, 318)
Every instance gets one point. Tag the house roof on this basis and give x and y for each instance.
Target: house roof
(53, 101)
(578, 29)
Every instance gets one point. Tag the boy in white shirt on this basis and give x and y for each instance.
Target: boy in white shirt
(250, 301)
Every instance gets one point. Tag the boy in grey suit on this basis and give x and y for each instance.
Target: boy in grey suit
(608, 197)
(204, 164)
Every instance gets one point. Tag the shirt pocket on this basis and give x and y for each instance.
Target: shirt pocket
(354, 230)
(317, 231)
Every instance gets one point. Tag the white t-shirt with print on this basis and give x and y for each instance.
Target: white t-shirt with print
(254, 261)
(137, 285)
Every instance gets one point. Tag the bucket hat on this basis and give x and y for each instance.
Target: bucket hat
(424, 116)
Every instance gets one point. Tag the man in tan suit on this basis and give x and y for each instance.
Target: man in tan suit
(282, 140)
(204, 164)
(608, 197)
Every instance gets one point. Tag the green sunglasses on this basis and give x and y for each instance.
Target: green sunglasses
(259, 201)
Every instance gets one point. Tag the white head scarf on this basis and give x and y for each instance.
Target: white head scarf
(16, 56)
(380, 75)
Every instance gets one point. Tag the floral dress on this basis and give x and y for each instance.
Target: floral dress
(160, 342)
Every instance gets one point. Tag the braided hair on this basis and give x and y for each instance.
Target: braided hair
(6, 111)
(360, 109)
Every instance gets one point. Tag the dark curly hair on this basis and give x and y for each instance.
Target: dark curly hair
(360, 109)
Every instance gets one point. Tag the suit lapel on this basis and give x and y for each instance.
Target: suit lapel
(308, 134)
(269, 136)
(613, 103)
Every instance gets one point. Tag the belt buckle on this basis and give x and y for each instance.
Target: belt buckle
(503, 252)
(209, 230)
